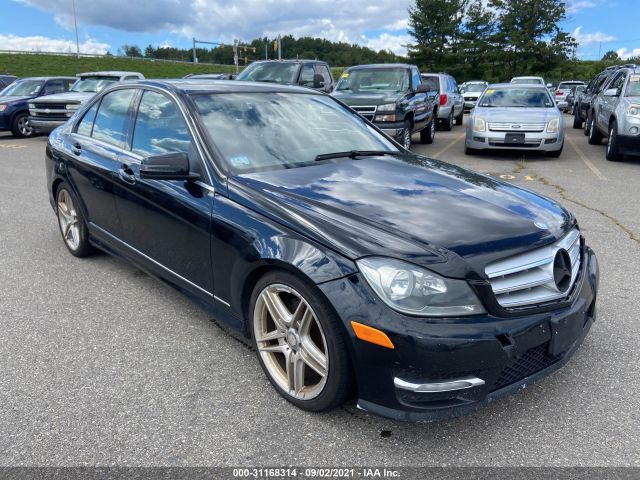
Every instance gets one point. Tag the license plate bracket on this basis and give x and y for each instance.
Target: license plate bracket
(514, 138)
(565, 331)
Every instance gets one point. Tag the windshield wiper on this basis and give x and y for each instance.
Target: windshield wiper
(357, 153)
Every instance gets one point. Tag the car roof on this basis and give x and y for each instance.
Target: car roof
(519, 85)
(108, 73)
(526, 77)
(380, 65)
(289, 60)
(187, 86)
(50, 78)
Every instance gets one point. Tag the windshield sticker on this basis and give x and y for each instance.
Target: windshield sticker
(344, 75)
(635, 79)
(240, 161)
(490, 90)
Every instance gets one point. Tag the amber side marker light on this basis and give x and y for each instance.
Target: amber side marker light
(371, 335)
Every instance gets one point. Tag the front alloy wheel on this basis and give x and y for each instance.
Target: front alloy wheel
(613, 151)
(21, 127)
(298, 343)
(405, 135)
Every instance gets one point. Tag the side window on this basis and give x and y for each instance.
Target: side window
(324, 71)
(453, 87)
(53, 86)
(415, 78)
(68, 83)
(130, 77)
(306, 76)
(160, 127)
(112, 118)
(618, 82)
(86, 124)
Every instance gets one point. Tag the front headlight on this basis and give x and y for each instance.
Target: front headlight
(32, 105)
(72, 106)
(479, 125)
(413, 290)
(553, 126)
(634, 111)
(3, 108)
(387, 107)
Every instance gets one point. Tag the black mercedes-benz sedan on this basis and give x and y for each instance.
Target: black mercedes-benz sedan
(351, 264)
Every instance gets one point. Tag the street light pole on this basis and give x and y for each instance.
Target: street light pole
(75, 23)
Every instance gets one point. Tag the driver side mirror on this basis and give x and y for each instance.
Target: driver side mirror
(549, 85)
(611, 92)
(168, 166)
(318, 81)
(422, 88)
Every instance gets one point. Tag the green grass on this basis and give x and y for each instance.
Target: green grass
(33, 65)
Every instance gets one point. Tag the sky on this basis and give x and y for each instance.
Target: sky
(106, 25)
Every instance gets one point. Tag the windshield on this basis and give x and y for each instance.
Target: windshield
(633, 90)
(524, 81)
(472, 87)
(516, 97)
(274, 72)
(260, 131)
(21, 88)
(92, 84)
(375, 79)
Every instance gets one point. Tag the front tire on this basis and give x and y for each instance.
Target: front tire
(405, 135)
(595, 137)
(299, 342)
(20, 127)
(72, 223)
(613, 149)
(577, 120)
(428, 134)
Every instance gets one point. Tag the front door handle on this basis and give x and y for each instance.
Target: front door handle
(76, 149)
(127, 175)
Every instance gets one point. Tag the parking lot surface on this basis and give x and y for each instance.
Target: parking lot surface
(103, 365)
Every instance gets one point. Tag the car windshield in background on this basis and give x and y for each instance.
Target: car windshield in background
(258, 131)
(527, 81)
(516, 97)
(272, 72)
(472, 87)
(22, 88)
(378, 79)
(92, 84)
(633, 90)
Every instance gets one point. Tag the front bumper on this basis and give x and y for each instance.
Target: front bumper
(629, 144)
(505, 353)
(5, 119)
(393, 129)
(45, 126)
(540, 141)
(469, 105)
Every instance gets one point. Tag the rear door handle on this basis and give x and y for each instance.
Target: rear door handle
(76, 149)
(127, 175)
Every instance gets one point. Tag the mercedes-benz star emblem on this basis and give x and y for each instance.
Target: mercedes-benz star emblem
(562, 270)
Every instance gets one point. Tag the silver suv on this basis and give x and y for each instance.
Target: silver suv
(451, 100)
(616, 114)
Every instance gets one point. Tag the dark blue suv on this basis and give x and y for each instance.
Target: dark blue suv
(14, 101)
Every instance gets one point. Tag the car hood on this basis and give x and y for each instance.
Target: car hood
(516, 114)
(67, 97)
(7, 100)
(367, 98)
(413, 208)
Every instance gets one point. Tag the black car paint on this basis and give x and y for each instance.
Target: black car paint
(238, 227)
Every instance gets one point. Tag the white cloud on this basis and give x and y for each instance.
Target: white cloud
(38, 43)
(395, 43)
(584, 39)
(222, 20)
(574, 6)
(623, 53)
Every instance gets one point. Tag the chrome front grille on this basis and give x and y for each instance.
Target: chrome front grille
(527, 279)
(516, 127)
(367, 111)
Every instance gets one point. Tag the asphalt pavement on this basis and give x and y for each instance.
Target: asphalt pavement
(103, 365)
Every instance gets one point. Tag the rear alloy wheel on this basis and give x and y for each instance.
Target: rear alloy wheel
(595, 137)
(428, 134)
(299, 344)
(21, 127)
(71, 222)
(405, 135)
(613, 150)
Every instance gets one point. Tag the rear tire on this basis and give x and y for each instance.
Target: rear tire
(460, 118)
(595, 137)
(587, 124)
(298, 338)
(447, 124)
(428, 134)
(20, 127)
(72, 223)
(613, 150)
(577, 121)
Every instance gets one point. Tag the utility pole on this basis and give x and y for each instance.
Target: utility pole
(195, 59)
(279, 47)
(599, 51)
(75, 23)
(266, 54)
(235, 54)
